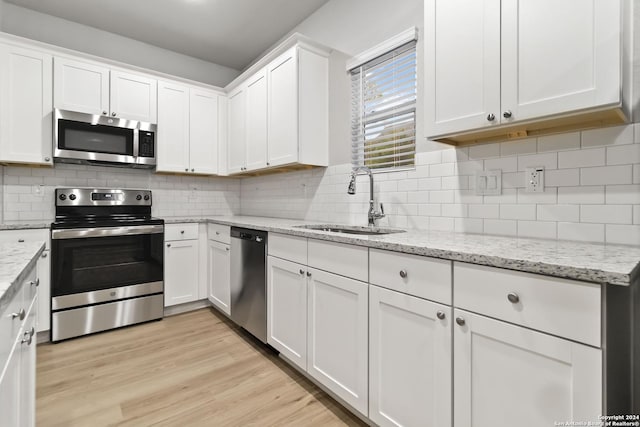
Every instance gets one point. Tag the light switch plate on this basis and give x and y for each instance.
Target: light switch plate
(489, 183)
(534, 177)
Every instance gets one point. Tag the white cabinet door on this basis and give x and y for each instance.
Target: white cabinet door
(283, 109)
(219, 261)
(180, 272)
(462, 65)
(28, 368)
(25, 106)
(337, 337)
(80, 87)
(287, 309)
(173, 128)
(203, 131)
(44, 292)
(507, 375)
(133, 97)
(409, 360)
(10, 393)
(557, 57)
(256, 155)
(236, 148)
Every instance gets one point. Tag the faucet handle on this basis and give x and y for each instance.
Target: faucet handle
(381, 208)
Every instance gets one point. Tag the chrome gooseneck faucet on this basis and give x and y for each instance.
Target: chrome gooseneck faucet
(372, 215)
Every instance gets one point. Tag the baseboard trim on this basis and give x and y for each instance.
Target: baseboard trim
(186, 307)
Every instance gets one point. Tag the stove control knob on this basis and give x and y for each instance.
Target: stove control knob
(72, 196)
(62, 197)
(138, 197)
(146, 197)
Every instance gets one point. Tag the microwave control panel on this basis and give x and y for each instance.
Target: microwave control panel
(146, 144)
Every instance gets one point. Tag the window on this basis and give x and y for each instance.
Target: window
(383, 110)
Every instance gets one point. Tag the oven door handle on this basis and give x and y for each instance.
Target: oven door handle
(79, 233)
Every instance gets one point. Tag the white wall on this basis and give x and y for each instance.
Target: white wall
(50, 29)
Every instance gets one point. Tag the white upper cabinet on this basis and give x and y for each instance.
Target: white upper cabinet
(236, 147)
(256, 130)
(203, 131)
(81, 87)
(509, 68)
(94, 89)
(173, 128)
(278, 115)
(188, 129)
(25, 106)
(133, 97)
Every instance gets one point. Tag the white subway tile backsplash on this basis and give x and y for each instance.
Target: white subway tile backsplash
(606, 214)
(636, 174)
(582, 158)
(548, 196)
(513, 180)
(537, 229)
(501, 227)
(455, 183)
(581, 195)
(455, 210)
(560, 142)
(524, 146)
(606, 175)
(608, 136)
(441, 223)
(623, 154)
(581, 232)
(505, 164)
(469, 225)
(430, 209)
(509, 195)
(430, 183)
(548, 160)
(623, 234)
(441, 196)
(562, 213)
(518, 212)
(622, 194)
(469, 167)
(442, 169)
(636, 214)
(562, 177)
(484, 211)
(484, 151)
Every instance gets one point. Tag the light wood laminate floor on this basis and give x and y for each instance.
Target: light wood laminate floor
(192, 369)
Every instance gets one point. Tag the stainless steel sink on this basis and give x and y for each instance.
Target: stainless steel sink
(351, 229)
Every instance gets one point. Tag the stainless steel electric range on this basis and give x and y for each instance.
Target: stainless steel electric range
(106, 261)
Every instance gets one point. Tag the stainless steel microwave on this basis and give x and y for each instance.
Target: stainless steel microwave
(89, 138)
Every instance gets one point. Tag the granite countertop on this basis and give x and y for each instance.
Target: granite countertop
(592, 262)
(25, 225)
(16, 260)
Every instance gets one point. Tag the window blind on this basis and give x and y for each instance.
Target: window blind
(383, 110)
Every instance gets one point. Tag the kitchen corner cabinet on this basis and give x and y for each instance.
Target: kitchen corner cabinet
(180, 264)
(188, 130)
(409, 360)
(279, 114)
(492, 64)
(95, 89)
(219, 267)
(25, 106)
(508, 375)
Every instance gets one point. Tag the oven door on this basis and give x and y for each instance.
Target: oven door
(94, 265)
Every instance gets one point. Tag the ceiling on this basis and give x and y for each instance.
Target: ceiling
(227, 32)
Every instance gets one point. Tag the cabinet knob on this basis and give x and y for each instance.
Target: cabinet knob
(268, 163)
(440, 315)
(35, 282)
(46, 159)
(460, 321)
(186, 169)
(403, 274)
(507, 114)
(181, 231)
(491, 117)
(20, 240)
(44, 254)
(301, 271)
(113, 114)
(168, 245)
(226, 249)
(513, 297)
(308, 274)
(193, 170)
(217, 233)
(19, 314)
(28, 336)
(104, 113)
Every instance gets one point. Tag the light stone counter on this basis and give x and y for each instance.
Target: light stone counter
(592, 262)
(25, 225)
(16, 260)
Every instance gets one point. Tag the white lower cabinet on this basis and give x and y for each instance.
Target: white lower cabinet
(337, 338)
(44, 292)
(219, 263)
(409, 360)
(180, 272)
(287, 309)
(506, 375)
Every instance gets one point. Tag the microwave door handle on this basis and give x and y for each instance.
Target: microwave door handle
(136, 144)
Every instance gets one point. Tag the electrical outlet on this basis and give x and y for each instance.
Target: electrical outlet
(534, 179)
(489, 183)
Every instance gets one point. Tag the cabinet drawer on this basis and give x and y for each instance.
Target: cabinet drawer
(283, 246)
(424, 277)
(339, 258)
(219, 233)
(180, 232)
(562, 307)
(29, 235)
(9, 325)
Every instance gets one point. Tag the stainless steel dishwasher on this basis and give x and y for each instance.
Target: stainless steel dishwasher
(249, 280)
